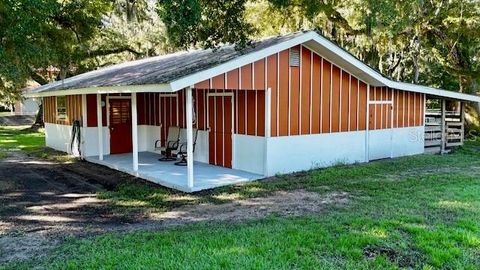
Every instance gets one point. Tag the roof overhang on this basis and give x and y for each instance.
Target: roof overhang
(312, 40)
(331, 52)
(124, 89)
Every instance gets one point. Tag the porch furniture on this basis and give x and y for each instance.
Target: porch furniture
(173, 138)
(183, 149)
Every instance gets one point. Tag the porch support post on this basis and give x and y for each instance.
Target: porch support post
(268, 128)
(367, 120)
(462, 120)
(189, 108)
(134, 133)
(444, 134)
(100, 126)
(84, 125)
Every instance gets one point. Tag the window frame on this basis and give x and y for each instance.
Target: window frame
(61, 111)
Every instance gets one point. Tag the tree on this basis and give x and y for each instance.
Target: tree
(205, 23)
(70, 35)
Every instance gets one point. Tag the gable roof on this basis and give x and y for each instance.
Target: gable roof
(172, 72)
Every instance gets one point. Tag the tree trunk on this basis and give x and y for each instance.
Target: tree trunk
(39, 117)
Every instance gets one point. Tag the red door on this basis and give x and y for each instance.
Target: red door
(120, 126)
(220, 123)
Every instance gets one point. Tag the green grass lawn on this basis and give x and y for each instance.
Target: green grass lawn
(420, 212)
(415, 212)
(20, 138)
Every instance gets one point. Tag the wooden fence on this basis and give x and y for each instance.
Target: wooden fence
(443, 131)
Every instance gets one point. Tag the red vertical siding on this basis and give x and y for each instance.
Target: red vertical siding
(335, 125)
(316, 91)
(283, 98)
(345, 99)
(306, 89)
(326, 90)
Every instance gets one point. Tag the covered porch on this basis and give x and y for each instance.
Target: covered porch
(167, 174)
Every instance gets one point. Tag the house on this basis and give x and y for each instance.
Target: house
(27, 106)
(284, 104)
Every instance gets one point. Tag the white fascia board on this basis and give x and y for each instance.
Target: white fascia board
(434, 91)
(239, 62)
(390, 83)
(153, 88)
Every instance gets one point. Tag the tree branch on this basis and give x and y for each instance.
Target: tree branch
(37, 77)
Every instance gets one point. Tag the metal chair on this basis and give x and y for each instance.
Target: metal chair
(173, 139)
(183, 149)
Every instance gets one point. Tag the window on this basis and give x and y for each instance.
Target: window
(294, 57)
(120, 111)
(61, 108)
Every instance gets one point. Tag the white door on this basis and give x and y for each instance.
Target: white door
(380, 134)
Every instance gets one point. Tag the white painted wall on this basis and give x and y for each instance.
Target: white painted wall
(297, 153)
(201, 149)
(249, 153)
(90, 141)
(380, 143)
(27, 106)
(147, 135)
(58, 136)
(408, 141)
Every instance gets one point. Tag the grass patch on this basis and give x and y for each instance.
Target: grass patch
(413, 212)
(15, 138)
(21, 138)
(361, 179)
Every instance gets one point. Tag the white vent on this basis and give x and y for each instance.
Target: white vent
(294, 57)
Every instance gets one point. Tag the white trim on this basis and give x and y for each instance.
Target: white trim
(391, 124)
(268, 109)
(84, 124)
(154, 88)
(425, 109)
(278, 95)
(300, 92)
(321, 95)
(404, 108)
(358, 104)
(331, 96)
(340, 92)
(189, 116)
(254, 89)
(367, 126)
(396, 94)
(134, 132)
(349, 99)
(381, 108)
(289, 94)
(100, 126)
(311, 93)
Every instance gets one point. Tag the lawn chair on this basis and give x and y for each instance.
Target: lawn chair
(171, 146)
(183, 149)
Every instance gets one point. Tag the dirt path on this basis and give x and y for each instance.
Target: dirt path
(43, 202)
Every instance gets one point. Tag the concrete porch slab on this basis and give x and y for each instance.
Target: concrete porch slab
(167, 174)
